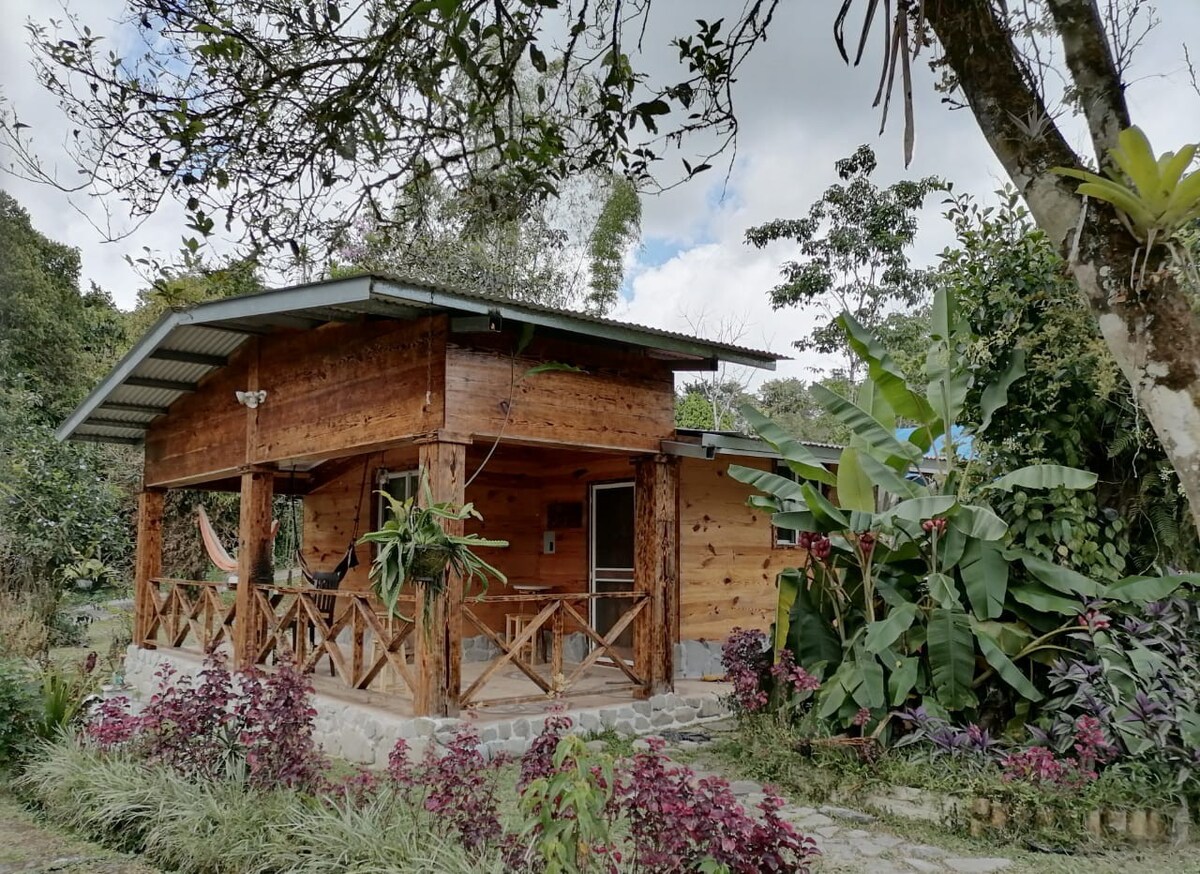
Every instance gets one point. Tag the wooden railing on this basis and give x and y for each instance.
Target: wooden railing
(300, 624)
(560, 614)
(351, 630)
(179, 612)
(306, 625)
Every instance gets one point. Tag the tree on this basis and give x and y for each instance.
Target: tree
(571, 256)
(710, 406)
(789, 403)
(57, 501)
(391, 91)
(1073, 407)
(853, 254)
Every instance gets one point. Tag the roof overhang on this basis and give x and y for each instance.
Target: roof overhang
(187, 345)
(713, 443)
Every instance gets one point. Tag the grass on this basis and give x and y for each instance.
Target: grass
(219, 827)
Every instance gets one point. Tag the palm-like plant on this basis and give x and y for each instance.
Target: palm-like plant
(905, 587)
(414, 548)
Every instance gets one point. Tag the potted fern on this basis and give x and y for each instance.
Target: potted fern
(413, 548)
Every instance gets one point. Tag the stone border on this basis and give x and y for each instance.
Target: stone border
(984, 815)
(365, 734)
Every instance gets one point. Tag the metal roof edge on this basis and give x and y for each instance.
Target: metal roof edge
(566, 321)
(129, 361)
(329, 293)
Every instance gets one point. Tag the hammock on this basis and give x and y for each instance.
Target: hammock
(217, 553)
(349, 560)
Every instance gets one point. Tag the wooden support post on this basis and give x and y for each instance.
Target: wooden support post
(254, 560)
(656, 569)
(438, 634)
(148, 563)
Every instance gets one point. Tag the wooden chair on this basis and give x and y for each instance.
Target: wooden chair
(327, 581)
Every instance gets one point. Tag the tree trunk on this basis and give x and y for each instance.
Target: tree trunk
(1145, 316)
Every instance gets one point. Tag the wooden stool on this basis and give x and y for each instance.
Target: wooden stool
(514, 625)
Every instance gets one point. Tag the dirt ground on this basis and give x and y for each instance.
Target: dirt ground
(27, 845)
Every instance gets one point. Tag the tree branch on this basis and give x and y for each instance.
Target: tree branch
(1090, 60)
(1012, 116)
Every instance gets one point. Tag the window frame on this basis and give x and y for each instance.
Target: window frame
(383, 479)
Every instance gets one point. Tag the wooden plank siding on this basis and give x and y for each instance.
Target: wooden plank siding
(345, 388)
(617, 399)
(728, 560)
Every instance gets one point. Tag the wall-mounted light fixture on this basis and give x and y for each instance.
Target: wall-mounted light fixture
(251, 399)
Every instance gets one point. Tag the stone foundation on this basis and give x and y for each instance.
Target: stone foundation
(362, 728)
(697, 659)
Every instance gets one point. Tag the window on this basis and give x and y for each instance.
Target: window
(401, 485)
(786, 536)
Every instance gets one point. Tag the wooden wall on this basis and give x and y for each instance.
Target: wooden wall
(727, 558)
(205, 432)
(331, 391)
(727, 562)
(512, 494)
(618, 398)
(341, 389)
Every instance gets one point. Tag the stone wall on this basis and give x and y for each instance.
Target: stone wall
(697, 659)
(365, 734)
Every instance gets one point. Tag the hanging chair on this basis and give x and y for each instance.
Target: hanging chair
(217, 553)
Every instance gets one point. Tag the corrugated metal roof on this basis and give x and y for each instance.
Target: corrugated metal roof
(186, 345)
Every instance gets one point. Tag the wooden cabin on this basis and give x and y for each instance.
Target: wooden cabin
(631, 552)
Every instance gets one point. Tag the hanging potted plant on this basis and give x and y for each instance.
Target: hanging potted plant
(413, 548)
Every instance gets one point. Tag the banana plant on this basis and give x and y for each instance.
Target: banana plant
(905, 586)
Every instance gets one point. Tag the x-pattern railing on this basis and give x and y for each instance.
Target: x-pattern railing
(307, 625)
(556, 613)
(195, 609)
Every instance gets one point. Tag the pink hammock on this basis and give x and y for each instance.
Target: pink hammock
(217, 553)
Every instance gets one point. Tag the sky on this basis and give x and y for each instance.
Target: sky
(800, 109)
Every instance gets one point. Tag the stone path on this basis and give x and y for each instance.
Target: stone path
(853, 841)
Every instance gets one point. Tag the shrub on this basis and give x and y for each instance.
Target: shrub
(131, 782)
(63, 693)
(18, 709)
(218, 723)
(747, 664)
(1139, 675)
(23, 633)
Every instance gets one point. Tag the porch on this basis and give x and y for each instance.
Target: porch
(589, 609)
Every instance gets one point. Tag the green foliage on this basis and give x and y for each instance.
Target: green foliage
(63, 690)
(18, 709)
(906, 587)
(1154, 195)
(790, 403)
(709, 406)
(413, 547)
(56, 500)
(199, 828)
(1073, 407)
(565, 811)
(616, 229)
(571, 256)
(853, 254)
(504, 101)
